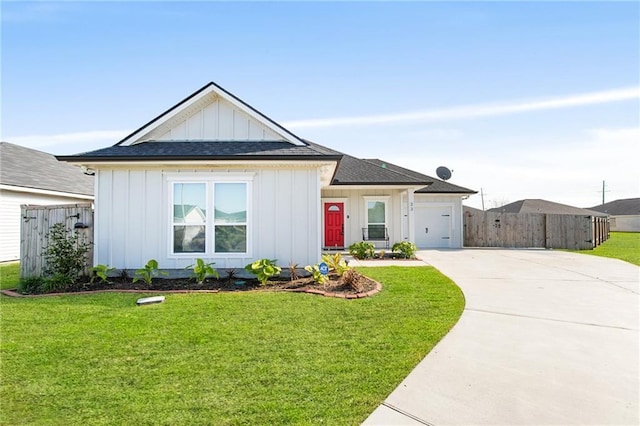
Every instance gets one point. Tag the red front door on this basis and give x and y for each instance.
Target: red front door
(334, 224)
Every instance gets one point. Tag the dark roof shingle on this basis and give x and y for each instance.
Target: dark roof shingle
(543, 206)
(205, 150)
(624, 207)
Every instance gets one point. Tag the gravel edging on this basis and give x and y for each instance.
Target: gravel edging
(13, 293)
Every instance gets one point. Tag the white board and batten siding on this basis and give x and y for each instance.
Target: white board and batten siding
(219, 120)
(438, 221)
(11, 220)
(355, 215)
(133, 216)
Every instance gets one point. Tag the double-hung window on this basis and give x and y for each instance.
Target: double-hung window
(209, 216)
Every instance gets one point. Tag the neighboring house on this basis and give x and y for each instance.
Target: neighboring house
(624, 214)
(543, 206)
(34, 177)
(263, 192)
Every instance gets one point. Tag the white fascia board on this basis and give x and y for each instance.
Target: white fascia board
(45, 192)
(290, 137)
(367, 187)
(205, 163)
(131, 140)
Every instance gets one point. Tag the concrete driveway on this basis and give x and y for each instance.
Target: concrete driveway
(546, 338)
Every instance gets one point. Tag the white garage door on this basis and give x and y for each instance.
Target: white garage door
(433, 226)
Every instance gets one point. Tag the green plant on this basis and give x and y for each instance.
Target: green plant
(318, 276)
(148, 272)
(202, 270)
(101, 271)
(65, 253)
(56, 282)
(31, 285)
(263, 269)
(362, 250)
(405, 249)
(335, 263)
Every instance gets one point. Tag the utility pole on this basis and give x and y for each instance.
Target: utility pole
(603, 191)
(482, 197)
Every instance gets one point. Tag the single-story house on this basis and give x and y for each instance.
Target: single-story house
(262, 191)
(28, 176)
(624, 214)
(543, 206)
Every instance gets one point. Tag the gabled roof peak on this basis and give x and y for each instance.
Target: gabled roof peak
(160, 127)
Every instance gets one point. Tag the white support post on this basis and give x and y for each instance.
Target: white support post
(411, 222)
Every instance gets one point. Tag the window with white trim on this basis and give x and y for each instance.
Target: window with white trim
(209, 217)
(376, 216)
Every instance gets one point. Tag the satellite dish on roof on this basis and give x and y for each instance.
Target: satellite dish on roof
(443, 173)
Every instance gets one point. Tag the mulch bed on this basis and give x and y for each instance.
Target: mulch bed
(335, 287)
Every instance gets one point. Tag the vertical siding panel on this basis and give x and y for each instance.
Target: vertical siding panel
(156, 218)
(256, 132)
(225, 121)
(194, 126)
(240, 125)
(135, 217)
(210, 122)
(286, 220)
(119, 215)
(268, 222)
(179, 132)
(103, 221)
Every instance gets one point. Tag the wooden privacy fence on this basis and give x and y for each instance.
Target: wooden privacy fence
(36, 223)
(530, 230)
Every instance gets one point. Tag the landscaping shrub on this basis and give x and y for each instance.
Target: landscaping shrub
(335, 263)
(148, 272)
(405, 249)
(318, 276)
(264, 269)
(202, 270)
(31, 285)
(65, 253)
(362, 250)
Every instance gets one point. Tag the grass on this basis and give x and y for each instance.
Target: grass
(9, 275)
(226, 358)
(620, 245)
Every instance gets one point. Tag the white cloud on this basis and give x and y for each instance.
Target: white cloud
(474, 111)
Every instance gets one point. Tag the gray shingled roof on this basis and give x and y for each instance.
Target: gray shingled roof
(354, 171)
(29, 168)
(437, 186)
(624, 207)
(543, 206)
(205, 150)
(350, 170)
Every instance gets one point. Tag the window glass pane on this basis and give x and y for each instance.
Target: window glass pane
(189, 203)
(231, 239)
(375, 211)
(189, 239)
(230, 203)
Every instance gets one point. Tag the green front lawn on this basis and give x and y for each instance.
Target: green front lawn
(9, 275)
(620, 245)
(226, 358)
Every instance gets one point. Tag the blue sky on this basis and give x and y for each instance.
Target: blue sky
(523, 100)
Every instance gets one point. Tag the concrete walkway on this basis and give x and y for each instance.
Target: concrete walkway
(546, 338)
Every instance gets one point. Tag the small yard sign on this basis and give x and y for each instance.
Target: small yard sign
(324, 269)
